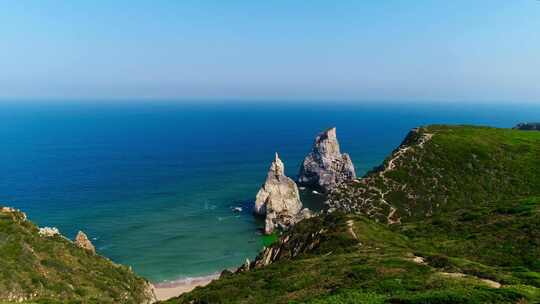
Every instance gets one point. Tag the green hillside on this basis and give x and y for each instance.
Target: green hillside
(452, 216)
(444, 168)
(51, 269)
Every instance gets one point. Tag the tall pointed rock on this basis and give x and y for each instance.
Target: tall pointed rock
(325, 166)
(278, 199)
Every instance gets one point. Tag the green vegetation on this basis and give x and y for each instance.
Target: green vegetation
(269, 240)
(43, 269)
(379, 266)
(504, 233)
(468, 203)
(452, 216)
(446, 168)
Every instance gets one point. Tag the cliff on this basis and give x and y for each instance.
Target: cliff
(451, 216)
(443, 168)
(40, 265)
(325, 167)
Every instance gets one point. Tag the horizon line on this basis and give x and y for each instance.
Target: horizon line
(250, 100)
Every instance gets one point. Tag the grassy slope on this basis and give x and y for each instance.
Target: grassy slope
(456, 168)
(52, 269)
(377, 267)
(469, 207)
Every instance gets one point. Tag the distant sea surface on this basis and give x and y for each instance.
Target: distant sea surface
(153, 183)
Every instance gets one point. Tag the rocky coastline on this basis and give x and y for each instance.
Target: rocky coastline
(278, 201)
(323, 169)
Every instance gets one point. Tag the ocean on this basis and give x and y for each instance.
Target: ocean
(153, 183)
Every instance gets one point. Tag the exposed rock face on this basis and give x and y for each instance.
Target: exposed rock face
(528, 126)
(82, 241)
(286, 248)
(16, 214)
(325, 167)
(278, 199)
(48, 231)
(307, 238)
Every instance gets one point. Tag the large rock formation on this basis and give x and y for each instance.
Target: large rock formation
(82, 241)
(278, 199)
(325, 167)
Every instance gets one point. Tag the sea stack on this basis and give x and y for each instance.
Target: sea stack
(278, 199)
(325, 166)
(82, 241)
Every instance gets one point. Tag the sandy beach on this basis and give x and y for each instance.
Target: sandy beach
(169, 290)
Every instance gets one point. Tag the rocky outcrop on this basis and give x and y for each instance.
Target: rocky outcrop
(287, 247)
(325, 167)
(82, 241)
(313, 236)
(48, 231)
(278, 199)
(528, 126)
(16, 215)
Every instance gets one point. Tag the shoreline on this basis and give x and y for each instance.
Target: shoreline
(170, 289)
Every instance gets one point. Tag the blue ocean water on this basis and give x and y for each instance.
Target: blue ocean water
(153, 183)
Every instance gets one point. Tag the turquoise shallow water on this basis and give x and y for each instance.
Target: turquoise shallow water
(153, 184)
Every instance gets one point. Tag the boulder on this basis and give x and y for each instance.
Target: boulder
(325, 167)
(82, 241)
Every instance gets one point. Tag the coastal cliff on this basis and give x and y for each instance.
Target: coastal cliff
(451, 216)
(441, 168)
(278, 199)
(325, 167)
(42, 266)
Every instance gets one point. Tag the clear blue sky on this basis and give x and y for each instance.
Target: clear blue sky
(476, 50)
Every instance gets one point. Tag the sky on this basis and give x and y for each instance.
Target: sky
(454, 50)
